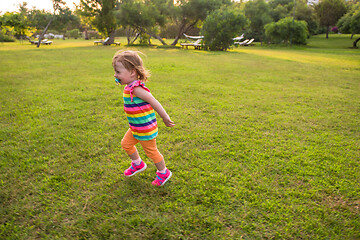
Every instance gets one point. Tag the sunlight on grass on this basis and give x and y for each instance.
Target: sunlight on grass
(332, 60)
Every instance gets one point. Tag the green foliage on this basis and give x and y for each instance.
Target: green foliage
(190, 13)
(144, 39)
(306, 13)
(329, 12)
(221, 26)
(350, 22)
(285, 31)
(14, 24)
(75, 33)
(65, 21)
(258, 13)
(281, 8)
(101, 14)
(142, 14)
(5, 38)
(38, 18)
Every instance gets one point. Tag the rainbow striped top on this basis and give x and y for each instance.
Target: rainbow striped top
(140, 114)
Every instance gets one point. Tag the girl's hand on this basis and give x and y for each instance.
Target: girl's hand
(168, 122)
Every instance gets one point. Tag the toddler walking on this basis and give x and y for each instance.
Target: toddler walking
(139, 106)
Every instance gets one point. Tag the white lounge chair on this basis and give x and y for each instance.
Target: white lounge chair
(242, 43)
(249, 43)
(239, 37)
(43, 41)
(196, 44)
(101, 41)
(193, 37)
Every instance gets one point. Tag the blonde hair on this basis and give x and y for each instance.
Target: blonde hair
(132, 60)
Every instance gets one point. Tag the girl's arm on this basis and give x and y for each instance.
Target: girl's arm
(148, 97)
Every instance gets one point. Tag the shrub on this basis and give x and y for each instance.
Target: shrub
(75, 33)
(335, 29)
(144, 39)
(5, 38)
(221, 26)
(285, 30)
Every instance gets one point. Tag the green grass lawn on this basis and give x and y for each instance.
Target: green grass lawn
(266, 144)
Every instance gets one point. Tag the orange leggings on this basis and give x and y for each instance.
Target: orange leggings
(128, 144)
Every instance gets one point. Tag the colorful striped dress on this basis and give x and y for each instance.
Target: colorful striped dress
(140, 114)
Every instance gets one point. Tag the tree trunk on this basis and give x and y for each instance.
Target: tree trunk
(327, 32)
(43, 33)
(154, 36)
(183, 29)
(355, 42)
(131, 35)
(86, 34)
(111, 38)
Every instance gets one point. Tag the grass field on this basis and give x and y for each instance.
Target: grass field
(266, 144)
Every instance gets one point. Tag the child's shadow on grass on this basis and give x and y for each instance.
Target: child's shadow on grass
(141, 185)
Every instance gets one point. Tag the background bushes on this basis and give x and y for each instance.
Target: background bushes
(286, 30)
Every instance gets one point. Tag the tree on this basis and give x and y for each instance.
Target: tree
(281, 8)
(65, 21)
(258, 12)
(57, 5)
(350, 22)
(38, 19)
(306, 13)
(329, 12)
(188, 13)
(101, 14)
(221, 26)
(14, 23)
(144, 17)
(283, 30)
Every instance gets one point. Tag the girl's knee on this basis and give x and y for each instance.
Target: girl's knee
(155, 156)
(129, 148)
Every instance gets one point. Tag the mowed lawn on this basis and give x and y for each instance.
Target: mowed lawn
(266, 144)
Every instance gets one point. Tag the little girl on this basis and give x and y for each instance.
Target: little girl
(139, 106)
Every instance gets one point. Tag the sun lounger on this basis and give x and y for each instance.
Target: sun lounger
(101, 41)
(44, 41)
(106, 42)
(193, 37)
(97, 42)
(197, 45)
(238, 38)
(242, 43)
(249, 43)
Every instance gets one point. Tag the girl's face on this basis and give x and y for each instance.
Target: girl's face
(125, 76)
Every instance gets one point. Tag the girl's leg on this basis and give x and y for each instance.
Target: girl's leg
(163, 174)
(161, 167)
(128, 144)
(153, 153)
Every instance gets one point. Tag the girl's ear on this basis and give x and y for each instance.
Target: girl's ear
(133, 72)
